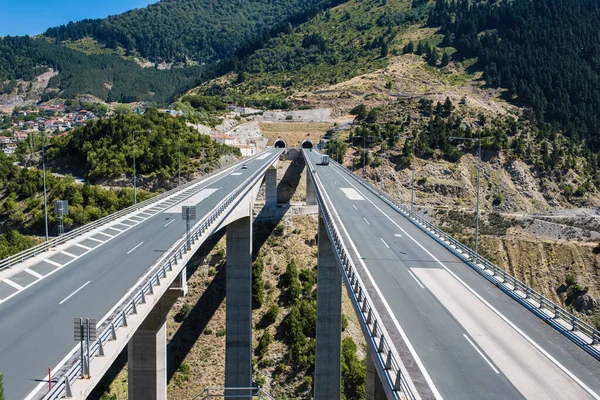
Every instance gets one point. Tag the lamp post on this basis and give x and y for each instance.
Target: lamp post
(179, 159)
(44, 174)
(478, 184)
(364, 149)
(134, 176)
(412, 180)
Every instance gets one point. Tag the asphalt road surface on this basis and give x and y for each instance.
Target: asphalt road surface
(466, 339)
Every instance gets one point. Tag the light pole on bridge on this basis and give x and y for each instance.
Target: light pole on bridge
(134, 175)
(478, 187)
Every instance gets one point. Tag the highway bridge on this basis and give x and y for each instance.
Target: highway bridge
(439, 321)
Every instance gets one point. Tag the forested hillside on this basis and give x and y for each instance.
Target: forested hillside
(201, 30)
(546, 53)
(106, 147)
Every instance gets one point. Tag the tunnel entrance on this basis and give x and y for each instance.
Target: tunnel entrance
(280, 144)
(307, 144)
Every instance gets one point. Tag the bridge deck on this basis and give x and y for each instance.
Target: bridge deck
(456, 333)
(36, 329)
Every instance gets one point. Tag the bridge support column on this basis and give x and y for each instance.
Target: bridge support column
(238, 350)
(311, 197)
(328, 375)
(147, 353)
(374, 387)
(271, 187)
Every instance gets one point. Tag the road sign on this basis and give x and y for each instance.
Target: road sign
(61, 207)
(188, 212)
(80, 329)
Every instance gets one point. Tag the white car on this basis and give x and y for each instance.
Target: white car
(244, 166)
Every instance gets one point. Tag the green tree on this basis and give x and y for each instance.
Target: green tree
(258, 285)
(354, 372)
(445, 59)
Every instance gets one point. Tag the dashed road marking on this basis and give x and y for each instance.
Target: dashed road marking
(53, 263)
(141, 243)
(69, 254)
(11, 283)
(386, 245)
(72, 294)
(39, 276)
(83, 246)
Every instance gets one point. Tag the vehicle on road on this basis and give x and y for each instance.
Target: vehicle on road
(244, 166)
(324, 160)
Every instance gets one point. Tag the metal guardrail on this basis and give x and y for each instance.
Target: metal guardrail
(42, 247)
(129, 306)
(396, 375)
(244, 392)
(580, 332)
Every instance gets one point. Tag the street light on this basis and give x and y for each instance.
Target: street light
(478, 177)
(412, 185)
(134, 177)
(364, 149)
(179, 159)
(44, 173)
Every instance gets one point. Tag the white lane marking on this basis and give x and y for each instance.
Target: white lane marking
(53, 263)
(96, 240)
(191, 201)
(106, 234)
(13, 284)
(32, 272)
(69, 254)
(228, 181)
(236, 173)
(481, 354)
(117, 229)
(169, 223)
(351, 194)
(72, 294)
(354, 207)
(366, 221)
(386, 245)
(141, 243)
(415, 278)
(83, 246)
(498, 313)
(416, 357)
(263, 156)
(398, 235)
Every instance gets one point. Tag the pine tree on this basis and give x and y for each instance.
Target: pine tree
(384, 50)
(409, 48)
(445, 59)
(420, 48)
(433, 58)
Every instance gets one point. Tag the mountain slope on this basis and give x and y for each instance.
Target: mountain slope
(202, 30)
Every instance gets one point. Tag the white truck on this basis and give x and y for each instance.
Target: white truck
(324, 159)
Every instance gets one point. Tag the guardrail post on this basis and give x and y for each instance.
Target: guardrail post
(100, 348)
(68, 390)
(124, 315)
(328, 374)
(374, 387)
(113, 333)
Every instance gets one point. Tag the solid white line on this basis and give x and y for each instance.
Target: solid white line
(106, 234)
(116, 229)
(69, 254)
(510, 323)
(481, 354)
(170, 222)
(53, 263)
(141, 243)
(39, 276)
(386, 245)
(398, 235)
(416, 357)
(366, 221)
(72, 294)
(95, 240)
(354, 207)
(82, 246)
(13, 284)
(415, 278)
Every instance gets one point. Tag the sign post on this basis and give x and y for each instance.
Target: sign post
(188, 213)
(61, 208)
(84, 330)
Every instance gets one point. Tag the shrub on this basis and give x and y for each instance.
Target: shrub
(212, 271)
(289, 117)
(221, 252)
(258, 285)
(279, 230)
(498, 199)
(265, 340)
(354, 374)
(260, 380)
(221, 332)
(570, 280)
(344, 322)
(208, 331)
(184, 368)
(184, 311)
(271, 314)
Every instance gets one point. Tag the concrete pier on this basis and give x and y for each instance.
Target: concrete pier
(311, 196)
(374, 387)
(328, 375)
(238, 352)
(147, 353)
(271, 187)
